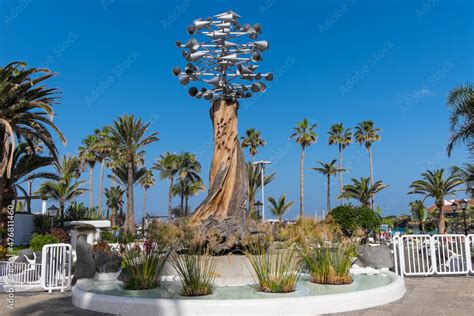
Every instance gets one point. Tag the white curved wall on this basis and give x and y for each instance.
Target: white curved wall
(309, 305)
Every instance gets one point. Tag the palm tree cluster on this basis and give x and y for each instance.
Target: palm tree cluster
(365, 134)
(183, 173)
(27, 134)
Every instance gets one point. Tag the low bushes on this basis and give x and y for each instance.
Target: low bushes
(329, 264)
(196, 269)
(145, 266)
(277, 270)
(38, 241)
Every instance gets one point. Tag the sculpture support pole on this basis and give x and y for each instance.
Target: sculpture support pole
(228, 179)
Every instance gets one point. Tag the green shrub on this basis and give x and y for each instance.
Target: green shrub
(78, 211)
(38, 241)
(145, 266)
(43, 224)
(196, 269)
(351, 218)
(277, 271)
(329, 265)
(108, 236)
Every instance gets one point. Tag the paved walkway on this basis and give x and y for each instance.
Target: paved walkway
(425, 296)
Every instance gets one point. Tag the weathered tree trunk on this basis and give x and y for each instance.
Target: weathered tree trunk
(228, 180)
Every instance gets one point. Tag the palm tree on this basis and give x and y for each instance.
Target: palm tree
(127, 136)
(252, 140)
(361, 190)
(167, 165)
(461, 102)
(188, 188)
(419, 214)
(146, 182)
(466, 174)
(367, 134)
(279, 208)
(328, 170)
(65, 187)
(342, 137)
(305, 136)
(120, 175)
(434, 185)
(114, 197)
(26, 111)
(255, 183)
(103, 150)
(88, 154)
(188, 170)
(25, 164)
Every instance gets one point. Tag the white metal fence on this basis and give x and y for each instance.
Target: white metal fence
(422, 255)
(19, 274)
(56, 264)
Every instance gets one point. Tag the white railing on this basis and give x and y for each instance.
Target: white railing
(423, 255)
(56, 267)
(470, 240)
(19, 273)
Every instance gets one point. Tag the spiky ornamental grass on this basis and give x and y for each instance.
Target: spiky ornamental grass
(144, 265)
(196, 269)
(330, 265)
(277, 270)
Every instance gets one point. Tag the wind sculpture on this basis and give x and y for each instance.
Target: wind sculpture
(224, 63)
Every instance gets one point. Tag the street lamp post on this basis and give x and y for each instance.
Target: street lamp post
(454, 206)
(52, 212)
(262, 164)
(464, 206)
(258, 207)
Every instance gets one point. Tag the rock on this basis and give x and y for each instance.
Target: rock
(107, 261)
(21, 256)
(227, 234)
(376, 256)
(85, 264)
(124, 276)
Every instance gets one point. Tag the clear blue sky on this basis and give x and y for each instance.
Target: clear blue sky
(335, 61)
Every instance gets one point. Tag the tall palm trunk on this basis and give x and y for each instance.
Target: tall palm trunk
(170, 198)
(129, 215)
(372, 199)
(91, 179)
(441, 220)
(113, 218)
(302, 182)
(101, 179)
(340, 173)
(186, 200)
(30, 190)
(181, 196)
(143, 212)
(329, 194)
